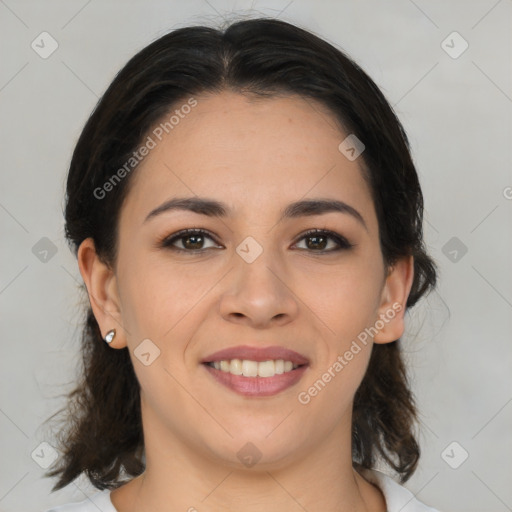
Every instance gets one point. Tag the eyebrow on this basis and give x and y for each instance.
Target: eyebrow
(213, 208)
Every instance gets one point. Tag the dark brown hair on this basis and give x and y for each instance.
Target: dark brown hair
(264, 57)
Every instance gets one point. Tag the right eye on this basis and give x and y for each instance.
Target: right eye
(191, 240)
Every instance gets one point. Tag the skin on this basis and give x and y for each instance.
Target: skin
(257, 156)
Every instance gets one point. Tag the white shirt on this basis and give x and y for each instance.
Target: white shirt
(397, 497)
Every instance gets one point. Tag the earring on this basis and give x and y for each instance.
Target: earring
(110, 336)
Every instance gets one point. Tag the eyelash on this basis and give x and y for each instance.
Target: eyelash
(169, 240)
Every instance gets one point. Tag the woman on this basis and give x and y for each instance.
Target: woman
(247, 220)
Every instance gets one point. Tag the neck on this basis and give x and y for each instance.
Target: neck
(179, 477)
(179, 481)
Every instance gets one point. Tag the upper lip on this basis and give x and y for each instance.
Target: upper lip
(256, 354)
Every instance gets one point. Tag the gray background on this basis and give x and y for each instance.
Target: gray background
(457, 113)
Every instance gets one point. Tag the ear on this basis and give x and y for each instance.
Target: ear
(101, 284)
(395, 292)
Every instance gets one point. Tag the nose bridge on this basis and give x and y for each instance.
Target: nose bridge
(259, 263)
(258, 284)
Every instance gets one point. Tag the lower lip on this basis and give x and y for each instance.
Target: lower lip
(257, 386)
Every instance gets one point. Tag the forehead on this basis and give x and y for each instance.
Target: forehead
(254, 154)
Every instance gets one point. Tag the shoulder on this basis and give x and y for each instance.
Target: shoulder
(98, 501)
(397, 497)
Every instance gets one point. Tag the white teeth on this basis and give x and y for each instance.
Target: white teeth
(235, 367)
(266, 369)
(249, 368)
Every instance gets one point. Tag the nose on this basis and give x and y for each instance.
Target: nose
(259, 294)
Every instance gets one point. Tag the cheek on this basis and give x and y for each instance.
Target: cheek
(349, 308)
(345, 297)
(327, 396)
(158, 304)
(160, 298)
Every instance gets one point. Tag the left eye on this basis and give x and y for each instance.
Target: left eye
(192, 240)
(320, 237)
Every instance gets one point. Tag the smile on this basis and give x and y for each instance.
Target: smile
(249, 368)
(257, 386)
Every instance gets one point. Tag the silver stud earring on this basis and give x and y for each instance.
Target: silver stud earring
(110, 336)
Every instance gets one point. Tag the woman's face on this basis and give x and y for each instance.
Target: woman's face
(253, 279)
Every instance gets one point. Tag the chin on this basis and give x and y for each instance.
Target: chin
(257, 450)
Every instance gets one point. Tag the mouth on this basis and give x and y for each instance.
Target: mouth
(251, 371)
(248, 368)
